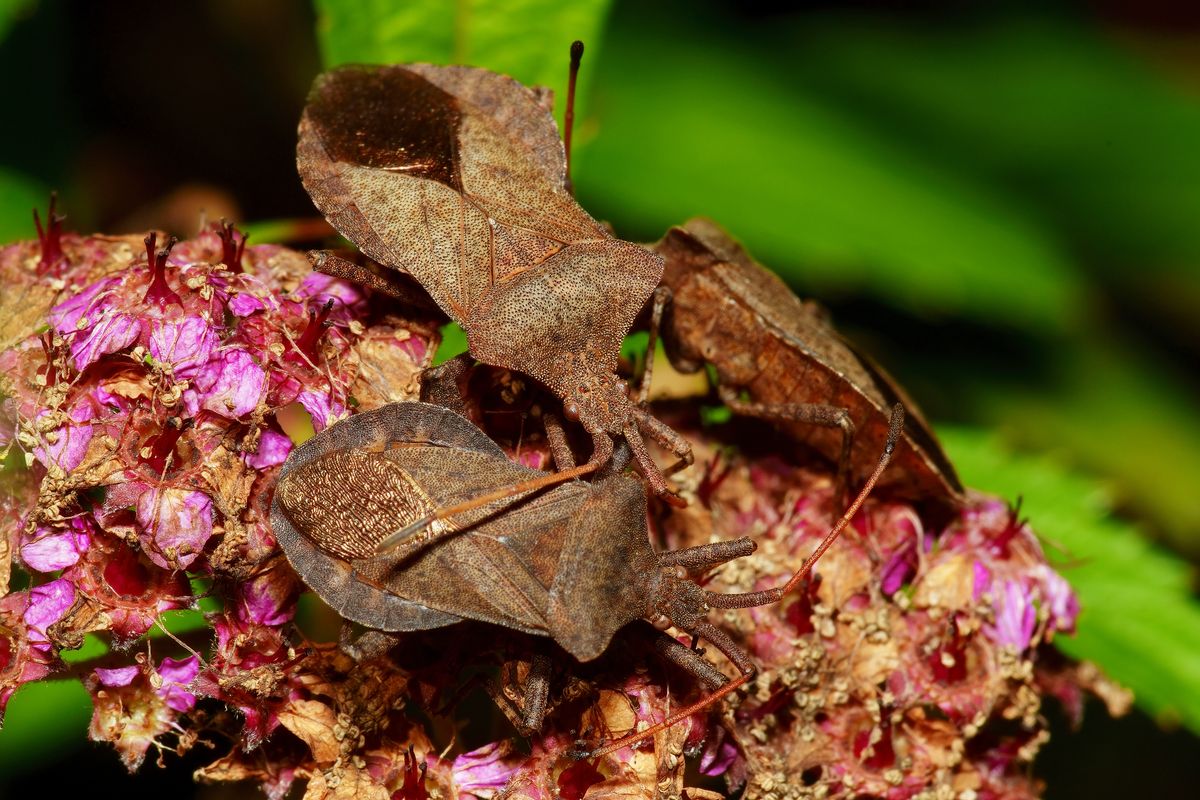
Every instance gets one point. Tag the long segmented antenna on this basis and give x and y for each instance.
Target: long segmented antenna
(569, 117)
(745, 600)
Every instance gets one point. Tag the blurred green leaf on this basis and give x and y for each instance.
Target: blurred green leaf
(454, 342)
(1059, 110)
(1140, 620)
(527, 39)
(43, 721)
(823, 199)
(10, 12)
(1121, 410)
(19, 196)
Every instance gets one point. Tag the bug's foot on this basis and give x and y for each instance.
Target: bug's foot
(580, 750)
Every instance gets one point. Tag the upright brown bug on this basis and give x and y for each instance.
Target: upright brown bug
(457, 177)
(729, 311)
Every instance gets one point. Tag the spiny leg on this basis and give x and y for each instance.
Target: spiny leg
(537, 690)
(689, 660)
(385, 282)
(826, 416)
(662, 296)
(367, 645)
(680, 447)
(705, 556)
(736, 655)
(654, 476)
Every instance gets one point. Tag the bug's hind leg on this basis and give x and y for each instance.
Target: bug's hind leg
(826, 416)
(389, 282)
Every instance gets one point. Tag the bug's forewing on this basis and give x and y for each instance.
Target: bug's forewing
(316, 560)
(452, 174)
(602, 580)
(761, 337)
(500, 564)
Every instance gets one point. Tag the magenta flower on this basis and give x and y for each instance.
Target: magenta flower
(232, 384)
(183, 345)
(174, 525)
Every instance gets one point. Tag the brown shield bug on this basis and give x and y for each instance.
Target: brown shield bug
(729, 311)
(457, 177)
(573, 563)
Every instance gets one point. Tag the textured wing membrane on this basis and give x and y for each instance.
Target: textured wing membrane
(499, 566)
(346, 502)
(334, 578)
(453, 175)
(513, 107)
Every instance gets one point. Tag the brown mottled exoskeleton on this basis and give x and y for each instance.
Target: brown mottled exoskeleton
(457, 177)
(572, 562)
(731, 312)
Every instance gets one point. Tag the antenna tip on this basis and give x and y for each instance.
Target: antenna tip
(576, 51)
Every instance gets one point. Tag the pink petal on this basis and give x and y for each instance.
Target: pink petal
(231, 384)
(117, 676)
(273, 449)
(185, 344)
(115, 331)
(51, 551)
(70, 440)
(48, 604)
(175, 524)
(177, 675)
(243, 304)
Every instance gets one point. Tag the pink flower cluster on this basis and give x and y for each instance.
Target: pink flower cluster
(150, 394)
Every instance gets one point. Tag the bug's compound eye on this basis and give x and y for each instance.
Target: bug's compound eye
(571, 411)
(622, 386)
(660, 621)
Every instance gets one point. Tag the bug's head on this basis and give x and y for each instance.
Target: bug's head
(676, 598)
(599, 403)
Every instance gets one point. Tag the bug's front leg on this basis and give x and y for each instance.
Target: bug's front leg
(826, 416)
(662, 296)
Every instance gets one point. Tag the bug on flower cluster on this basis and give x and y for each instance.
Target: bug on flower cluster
(409, 517)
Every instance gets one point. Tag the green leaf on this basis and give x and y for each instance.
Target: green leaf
(43, 721)
(19, 196)
(1074, 121)
(1059, 110)
(823, 199)
(527, 39)
(454, 342)
(1139, 619)
(10, 12)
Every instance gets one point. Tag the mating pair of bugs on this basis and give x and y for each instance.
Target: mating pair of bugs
(457, 177)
